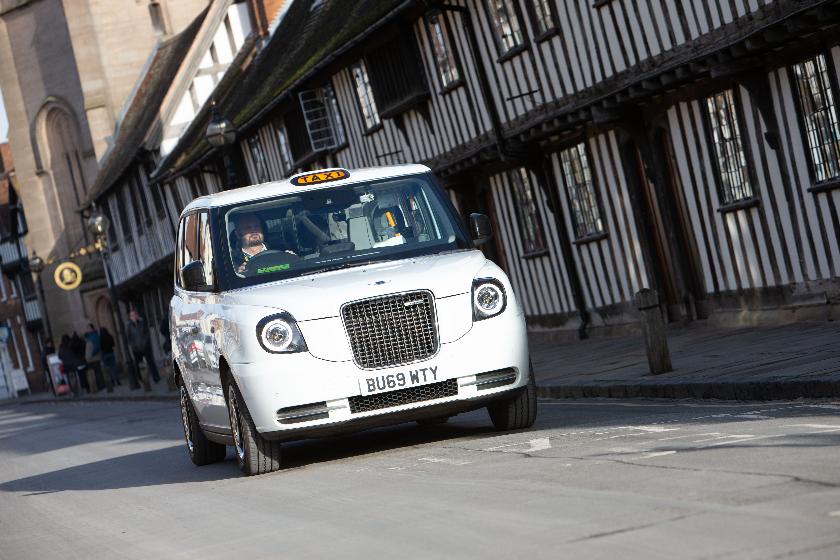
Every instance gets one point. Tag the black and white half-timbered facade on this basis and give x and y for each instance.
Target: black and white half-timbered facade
(691, 146)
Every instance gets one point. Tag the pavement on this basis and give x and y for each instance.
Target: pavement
(797, 360)
(592, 479)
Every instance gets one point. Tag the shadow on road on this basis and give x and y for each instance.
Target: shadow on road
(171, 465)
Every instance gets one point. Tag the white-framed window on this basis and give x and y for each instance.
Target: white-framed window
(445, 60)
(365, 95)
(730, 155)
(506, 24)
(577, 177)
(819, 117)
(322, 117)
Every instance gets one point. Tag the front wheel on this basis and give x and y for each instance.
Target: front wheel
(202, 451)
(255, 454)
(518, 412)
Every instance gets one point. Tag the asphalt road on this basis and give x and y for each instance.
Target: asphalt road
(593, 479)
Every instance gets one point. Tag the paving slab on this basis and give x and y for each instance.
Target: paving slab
(798, 360)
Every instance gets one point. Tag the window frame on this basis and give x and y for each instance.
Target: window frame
(727, 203)
(517, 180)
(595, 195)
(834, 89)
(553, 29)
(284, 148)
(263, 175)
(449, 44)
(367, 129)
(504, 52)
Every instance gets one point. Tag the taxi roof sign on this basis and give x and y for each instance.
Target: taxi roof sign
(318, 177)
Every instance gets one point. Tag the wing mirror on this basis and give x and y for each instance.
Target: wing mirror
(192, 276)
(481, 230)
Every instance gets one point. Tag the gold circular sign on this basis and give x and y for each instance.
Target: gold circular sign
(68, 276)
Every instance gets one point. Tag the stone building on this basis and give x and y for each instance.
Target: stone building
(66, 69)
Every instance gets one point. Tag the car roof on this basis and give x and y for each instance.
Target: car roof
(274, 188)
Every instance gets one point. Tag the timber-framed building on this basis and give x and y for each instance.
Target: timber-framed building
(691, 146)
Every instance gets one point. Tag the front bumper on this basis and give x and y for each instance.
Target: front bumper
(285, 382)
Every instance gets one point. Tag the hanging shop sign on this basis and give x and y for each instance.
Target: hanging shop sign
(68, 276)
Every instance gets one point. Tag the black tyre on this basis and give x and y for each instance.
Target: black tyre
(518, 412)
(202, 451)
(255, 454)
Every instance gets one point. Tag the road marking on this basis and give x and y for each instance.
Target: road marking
(815, 426)
(723, 436)
(534, 445)
(688, 436)
(657, 454)
(444, 461)
(649, 429)
(834, 513)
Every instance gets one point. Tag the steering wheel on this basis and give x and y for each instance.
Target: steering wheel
(270, 259)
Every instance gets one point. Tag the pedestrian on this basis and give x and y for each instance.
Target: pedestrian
(77, 347)
(137, 334)
(93, 357)
(68, 361)
(109, 357)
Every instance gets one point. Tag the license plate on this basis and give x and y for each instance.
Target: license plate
(404, 379)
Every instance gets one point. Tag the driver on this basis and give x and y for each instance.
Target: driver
(248, 229)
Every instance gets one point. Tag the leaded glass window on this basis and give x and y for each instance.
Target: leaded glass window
(365, 95)
(286, 159)
(444, 54)
(729, 148)
(819, 115)
(543, 16)
(530, 224)
(506, 22)
(577, 177)
(258, 157)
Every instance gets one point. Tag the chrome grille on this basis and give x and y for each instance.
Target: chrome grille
(442, 389)
(391, 330)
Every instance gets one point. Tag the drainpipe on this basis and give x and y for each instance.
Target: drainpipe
(541, 170)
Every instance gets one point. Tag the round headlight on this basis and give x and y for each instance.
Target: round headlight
(277, 335)
(488, 300)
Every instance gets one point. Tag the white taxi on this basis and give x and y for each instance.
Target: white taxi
(335, 301)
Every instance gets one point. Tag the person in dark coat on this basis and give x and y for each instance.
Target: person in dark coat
(109, 357)
(68, 359)
(77, 347)
(137, 335)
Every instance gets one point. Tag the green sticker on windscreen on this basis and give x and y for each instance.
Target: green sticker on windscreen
(275, 268)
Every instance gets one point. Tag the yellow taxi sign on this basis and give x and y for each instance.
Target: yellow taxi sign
(320, 177)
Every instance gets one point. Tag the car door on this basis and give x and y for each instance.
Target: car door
(186, 313)
(206, 304)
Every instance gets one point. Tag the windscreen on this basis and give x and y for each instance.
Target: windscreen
(328, 228)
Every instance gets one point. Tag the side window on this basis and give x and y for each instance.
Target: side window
(179, 261)
(206, 247)
(188, 249)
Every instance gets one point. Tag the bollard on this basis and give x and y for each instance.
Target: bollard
(653, 329)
